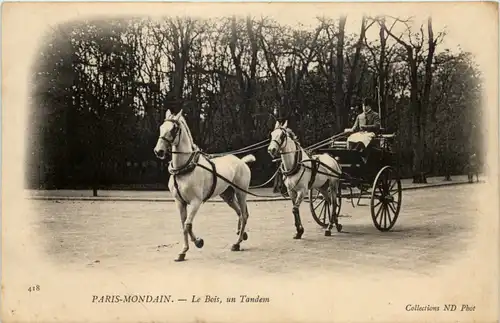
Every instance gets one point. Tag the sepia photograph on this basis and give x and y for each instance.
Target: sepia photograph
(250, 162)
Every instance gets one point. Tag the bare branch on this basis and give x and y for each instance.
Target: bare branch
(372, 52)
(396, 38)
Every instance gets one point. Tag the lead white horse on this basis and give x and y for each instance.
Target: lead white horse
(195, 178)
(302, 173)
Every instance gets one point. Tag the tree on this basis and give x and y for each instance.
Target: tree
(419, 101)
(100, 91)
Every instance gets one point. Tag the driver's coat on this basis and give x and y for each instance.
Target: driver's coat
(197, 184)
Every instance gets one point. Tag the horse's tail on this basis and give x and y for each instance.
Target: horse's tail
(248, 159)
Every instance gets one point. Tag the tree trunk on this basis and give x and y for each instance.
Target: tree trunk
(418, 147)
(427, 85)
(339, 84)
(381, 79)
(421, 113)
(417, 126)
(354, 67)
(287, 97)
(447, 168)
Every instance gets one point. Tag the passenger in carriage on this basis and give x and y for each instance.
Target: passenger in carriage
(365, 127)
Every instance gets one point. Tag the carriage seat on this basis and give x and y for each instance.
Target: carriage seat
(383, 140)
(339, 144)
(380, 140)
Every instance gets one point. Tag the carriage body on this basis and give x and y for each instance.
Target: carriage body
(355, 171)
(376, 179)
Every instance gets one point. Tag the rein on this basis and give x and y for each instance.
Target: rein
(300, 163)
(192, 163)
(234, 185)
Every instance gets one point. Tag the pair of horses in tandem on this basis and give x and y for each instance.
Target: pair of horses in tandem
(196, 177)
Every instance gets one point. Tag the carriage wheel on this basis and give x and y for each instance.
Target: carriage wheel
(320, 211)
(386, 198)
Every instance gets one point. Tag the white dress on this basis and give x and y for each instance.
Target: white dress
(362, 136)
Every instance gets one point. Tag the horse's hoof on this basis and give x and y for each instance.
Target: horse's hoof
(328, 233)
(181, 257)
(245, 236)
(299, 234)
(199, 243)
(339, 227)
(235, 247)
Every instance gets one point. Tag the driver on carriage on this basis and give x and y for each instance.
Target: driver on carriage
(365, 127)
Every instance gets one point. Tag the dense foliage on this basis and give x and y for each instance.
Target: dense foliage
(101, 89)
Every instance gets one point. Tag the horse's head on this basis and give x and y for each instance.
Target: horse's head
(169, 134)
(278, 138)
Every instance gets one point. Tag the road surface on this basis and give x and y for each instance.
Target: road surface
(434, 226)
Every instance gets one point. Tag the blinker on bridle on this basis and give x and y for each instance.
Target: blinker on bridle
(175, 131)
(282, 138)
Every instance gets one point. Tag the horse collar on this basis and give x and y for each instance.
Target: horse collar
(188, 167)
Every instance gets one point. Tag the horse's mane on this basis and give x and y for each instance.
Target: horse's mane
(188, 131)
(291, 134)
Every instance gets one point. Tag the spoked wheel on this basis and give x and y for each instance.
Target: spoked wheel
(320, 211)
(386, 198)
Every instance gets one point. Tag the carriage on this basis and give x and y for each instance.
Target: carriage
(329, 171)
(376, 179)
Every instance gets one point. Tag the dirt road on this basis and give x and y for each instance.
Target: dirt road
(432, 223)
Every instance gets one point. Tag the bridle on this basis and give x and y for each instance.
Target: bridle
(176, 138)
(176, 132)
(281, 141)
(283, 138)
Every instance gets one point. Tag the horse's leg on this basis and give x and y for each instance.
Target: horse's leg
(328, 202)
(188, 228)
(229, 196)
(293, 198)
(241, 197)
(297, 200)
(183, 213)
(334, 188)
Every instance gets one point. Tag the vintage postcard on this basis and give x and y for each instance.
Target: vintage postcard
(250, 162)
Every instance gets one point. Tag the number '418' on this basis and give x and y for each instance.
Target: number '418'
(34, 288)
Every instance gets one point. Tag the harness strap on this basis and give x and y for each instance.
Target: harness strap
(314, 172)
(187, 168)
(296, 164)
(214, 182)
(176, 185)
(234, 185)
(319, 163)
(214, 179)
